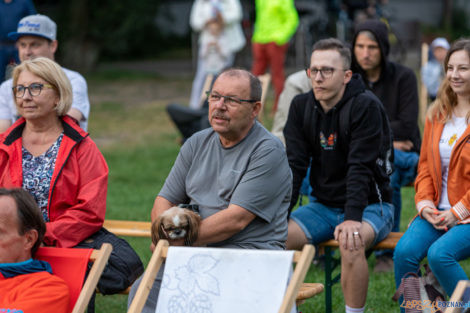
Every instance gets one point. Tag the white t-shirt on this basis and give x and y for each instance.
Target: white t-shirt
(451, 133)
(80, 98)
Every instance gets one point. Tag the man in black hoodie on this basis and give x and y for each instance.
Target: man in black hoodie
(343, 129)
(395, 85)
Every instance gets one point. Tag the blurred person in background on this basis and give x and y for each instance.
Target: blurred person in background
(11, 12)
(228, 15)
(36, 37)
(432, 72)
(396, 87)
(276, 22)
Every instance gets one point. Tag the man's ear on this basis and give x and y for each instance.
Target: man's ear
(347, 76)
(256, 108)
(53, 45)
(31, 236)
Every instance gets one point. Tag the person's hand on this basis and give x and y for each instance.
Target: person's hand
(446, 219)
(404, 145)
(430, 215)
(348, 233)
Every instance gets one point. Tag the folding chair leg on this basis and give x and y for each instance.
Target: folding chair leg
(328, 279)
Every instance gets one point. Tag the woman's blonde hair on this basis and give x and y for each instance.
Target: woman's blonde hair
(53, 74)
(446, 100)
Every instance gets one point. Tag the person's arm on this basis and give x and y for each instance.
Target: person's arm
(199, 15)
(231, 12)
(4, 125)
(297, 144)
(80, 109)
(223, 225)
(6, 99)
(76, 114)
(295, 84)
(86, 215)
(424, 184)
(408, 106)
(366, 134)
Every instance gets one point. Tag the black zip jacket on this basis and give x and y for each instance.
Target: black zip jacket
(344, 171)
(397, 87)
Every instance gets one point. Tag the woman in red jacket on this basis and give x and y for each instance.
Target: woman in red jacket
(441, 232)
(46, 153)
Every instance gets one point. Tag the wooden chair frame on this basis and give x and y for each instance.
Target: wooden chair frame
(303, 260)
(457, 296)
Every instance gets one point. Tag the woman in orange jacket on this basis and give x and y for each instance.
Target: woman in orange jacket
(441, 232)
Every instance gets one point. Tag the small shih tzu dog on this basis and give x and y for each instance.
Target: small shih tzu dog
(177, 225)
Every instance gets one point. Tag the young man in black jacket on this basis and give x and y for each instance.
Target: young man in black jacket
(396, 87)
(342, 128)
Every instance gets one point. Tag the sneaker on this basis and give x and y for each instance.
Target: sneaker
(383, 264)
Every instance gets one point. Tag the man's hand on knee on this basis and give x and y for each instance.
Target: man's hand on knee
(348, 233)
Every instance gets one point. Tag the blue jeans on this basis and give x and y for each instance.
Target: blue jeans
(443, 249)
(405, 172)
(319, 221)
(405, 164)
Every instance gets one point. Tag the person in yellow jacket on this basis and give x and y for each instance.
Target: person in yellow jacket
(276, 22)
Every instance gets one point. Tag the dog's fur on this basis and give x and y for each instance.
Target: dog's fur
(177, 225)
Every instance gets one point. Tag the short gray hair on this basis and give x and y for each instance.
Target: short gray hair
(254, 82)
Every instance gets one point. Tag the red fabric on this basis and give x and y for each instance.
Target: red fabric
(272, 55)
(68, 264)
(38, 292)
(77, 199)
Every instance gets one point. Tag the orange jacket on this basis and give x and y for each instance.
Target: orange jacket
(428, 183)
(38, 292)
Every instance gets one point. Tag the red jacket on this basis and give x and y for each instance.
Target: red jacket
(38, 292)
(77, 198)
(428, 183)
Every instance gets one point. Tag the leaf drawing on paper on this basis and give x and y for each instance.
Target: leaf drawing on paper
(194, 285)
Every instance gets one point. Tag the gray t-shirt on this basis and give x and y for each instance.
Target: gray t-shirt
(253, 174)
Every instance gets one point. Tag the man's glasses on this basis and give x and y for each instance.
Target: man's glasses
(228, 100)
(325, 72)
(34, 89)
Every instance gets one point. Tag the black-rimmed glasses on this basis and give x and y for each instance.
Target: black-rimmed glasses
(325, 72)
(228, 100)
(34, 89)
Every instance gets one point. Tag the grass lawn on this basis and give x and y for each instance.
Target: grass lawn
(129, 123)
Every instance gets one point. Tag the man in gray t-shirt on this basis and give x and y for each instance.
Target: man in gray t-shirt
(236, 171)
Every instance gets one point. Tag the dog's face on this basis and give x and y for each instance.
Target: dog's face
(176, 224)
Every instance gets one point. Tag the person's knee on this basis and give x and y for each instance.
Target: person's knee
(437, 255)
(350, 257)
(296, 237)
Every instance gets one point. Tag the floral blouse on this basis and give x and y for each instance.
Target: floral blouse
(37, 174)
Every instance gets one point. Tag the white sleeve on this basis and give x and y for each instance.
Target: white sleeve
(80, 93)
(7, 104)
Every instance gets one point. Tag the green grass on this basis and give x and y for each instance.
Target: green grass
(129, 123)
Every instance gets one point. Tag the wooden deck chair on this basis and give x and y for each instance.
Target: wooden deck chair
(265, 80)
(71, 264)
(423, 92)
(206, 87)
(461, 295)
(303, 260)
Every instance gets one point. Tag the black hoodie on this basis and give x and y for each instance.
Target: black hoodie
(397, 87)
(344, 171)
